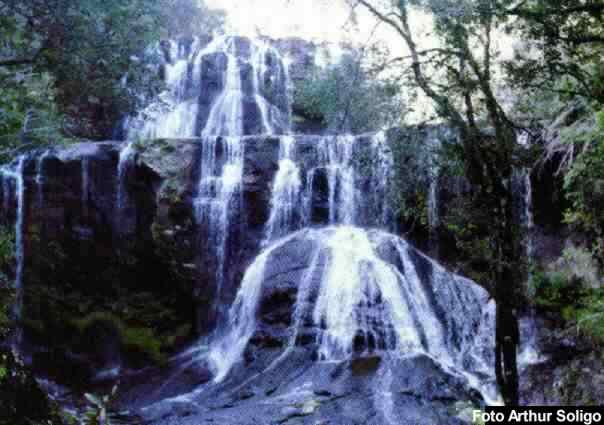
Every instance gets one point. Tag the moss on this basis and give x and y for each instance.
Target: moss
(144, 341)
(141, 342)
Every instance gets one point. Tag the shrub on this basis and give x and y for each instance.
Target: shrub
(573, 289)
(138, 341)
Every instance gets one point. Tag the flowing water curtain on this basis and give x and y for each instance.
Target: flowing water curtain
(285, 198)
(176, 113)
(16, 175)
(362, 304)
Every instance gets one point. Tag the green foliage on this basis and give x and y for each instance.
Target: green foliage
(7, 246)
(137, 340)
(584, 186)
(349, 96)
(63, 64)
(7, 242)
(555, 291)
(190, 18)
(416, 158)
(562, 42)
(22, 401)
(573, 289)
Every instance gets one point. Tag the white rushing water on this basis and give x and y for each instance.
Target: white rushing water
(228, 349)
(341, 174)
(177, 112)
(367, 304)
(19, 229)
(529, 220)
(226, 115)
(17, 177)
(127, 155)
(40, 177)
(217, 195)
(285, 192)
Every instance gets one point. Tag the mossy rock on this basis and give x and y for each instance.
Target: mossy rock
(138, 345)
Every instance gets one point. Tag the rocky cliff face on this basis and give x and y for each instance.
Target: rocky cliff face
(123, 260)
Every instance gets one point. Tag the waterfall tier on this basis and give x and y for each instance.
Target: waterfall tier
(346, 292)
(233, 86)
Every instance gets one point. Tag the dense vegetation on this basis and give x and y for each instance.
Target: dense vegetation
(351, 95)
(63, 64)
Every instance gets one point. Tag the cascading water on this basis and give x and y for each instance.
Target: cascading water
(18, 178)
(126, 157)
(381, 174)
(252, 76)
(364, 295)
(227, 350)
(337, 154)
(528, 217)
(248, 81)
(86, 185)
(217, 195)
(40, 177)
(19, 242)
(226, 115)
(433, 215)
(285, 193)
(174, 114)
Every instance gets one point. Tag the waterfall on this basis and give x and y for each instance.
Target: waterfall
(381, 174)
(228, 349)
(366, 303)
(335, 156)
(174, 114)
(362, 292)
(85, 164)
(226, 115)
(19, 242)
(359, 171)
(252, 76)
(529, 220)
(186, 71)
(18, 177)
(433, 216)
(40, 177)
(216, 196)
(360, 295)
(125, 159)
(341, 173)
(285, 192)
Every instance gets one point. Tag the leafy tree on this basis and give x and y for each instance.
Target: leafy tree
(190, 18)
(561, 71)
(350, 95)
(584, 185)
(87, 56)
(458, 77)
(563, 41)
